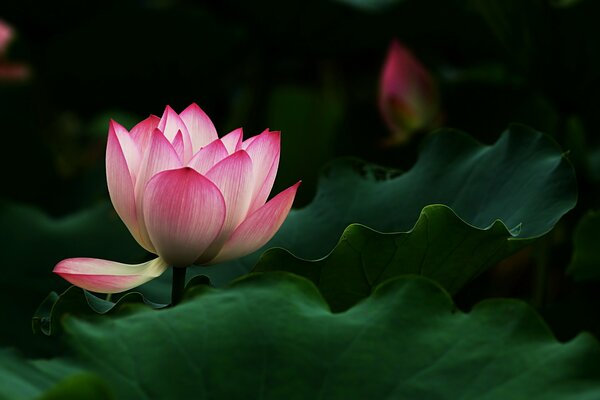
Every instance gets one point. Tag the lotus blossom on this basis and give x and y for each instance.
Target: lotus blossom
(186, 195)
(408, 96)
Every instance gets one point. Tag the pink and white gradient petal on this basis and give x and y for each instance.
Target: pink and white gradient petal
(264, 152)
(130, 149)
(121, 184)
(200, 127)
(258, 228)
(178, 145)
(142, 132)
(171, 123)
(233, 177)
(233, 140)
(103, 276)
(159, 156)
(208, 156)
(184, 213)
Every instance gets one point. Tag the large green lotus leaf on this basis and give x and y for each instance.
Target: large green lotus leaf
(32, 243)
(522, 180)
(25, 379)
(272, 336)
(585, 263)
(440, 246)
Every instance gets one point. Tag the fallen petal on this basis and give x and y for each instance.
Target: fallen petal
(105, 276)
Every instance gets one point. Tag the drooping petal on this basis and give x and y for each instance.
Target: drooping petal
(130, 149)
(258, 228)
(105, 276)
(208, 156)
(233, 177)
(233, 140)
(142, 132)
(171, 123)
(264, 152)
(200, 127)
(121, 184)
(184, 213)
(159, 156)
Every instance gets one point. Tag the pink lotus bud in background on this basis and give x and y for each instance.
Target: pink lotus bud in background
(408, 96)
(6, 36)
(185, 195)
(10, 71)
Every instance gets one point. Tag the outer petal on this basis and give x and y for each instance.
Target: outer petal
(159, 156)
(208, 156)
(105, 276)
(130, 149)
(233, 140)
(170, 124)
(259, 227)
(184, 213)
(200, 127)
(264, 152)
(142, 132)
(121, 184)
(233, 177)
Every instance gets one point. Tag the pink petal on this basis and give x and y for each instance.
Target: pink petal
(159, 156)
(170, 124)
(208, 156)
(233, 177)
(233, 140)
(200, 127)
(105, 276)
(121, 184)
(130, 149)
(184, 213)
(264, 152)
(178, 144)
(142, 132)
(258, 228)
(248, 141)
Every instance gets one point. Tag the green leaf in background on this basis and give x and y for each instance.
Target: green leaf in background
(309, 119)
(25, 379)
(585, 264)
(522, 180)
(272, 336)
(440, 246)
(32, 243)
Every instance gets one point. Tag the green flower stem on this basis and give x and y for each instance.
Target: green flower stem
(178, 285)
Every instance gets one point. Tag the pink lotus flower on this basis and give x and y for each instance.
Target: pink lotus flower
(408, 96)
(185, 195)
